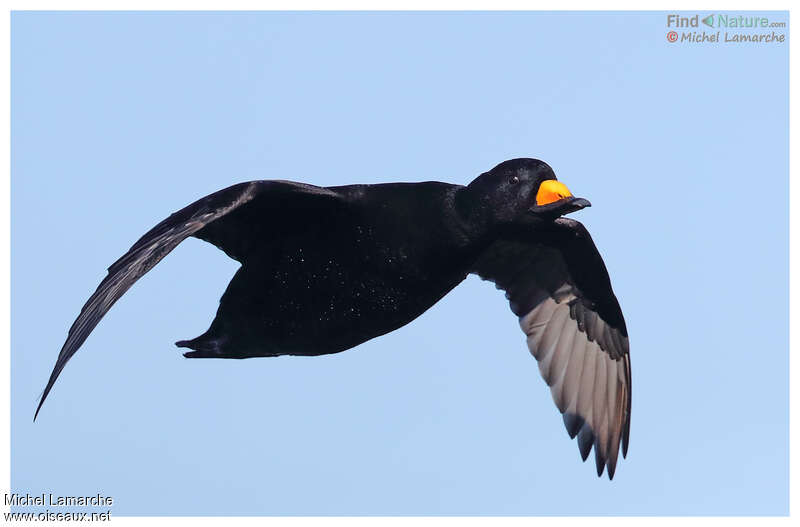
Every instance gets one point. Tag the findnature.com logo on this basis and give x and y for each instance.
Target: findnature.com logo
(742, 26)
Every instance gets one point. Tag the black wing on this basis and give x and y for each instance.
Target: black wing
(559, 288)
(227, 218)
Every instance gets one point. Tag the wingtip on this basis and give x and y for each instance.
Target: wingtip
(41, 401)
(36, 413)
(573, 423)
(50, 382)
(585, 441)
(599, 460)
(611, 470)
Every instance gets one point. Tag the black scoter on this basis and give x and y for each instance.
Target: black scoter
(324, 269)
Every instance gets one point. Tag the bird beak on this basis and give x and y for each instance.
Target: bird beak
(560, 207)
(577, 204)
(554, 197)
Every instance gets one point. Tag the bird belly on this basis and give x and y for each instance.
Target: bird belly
(304, 302)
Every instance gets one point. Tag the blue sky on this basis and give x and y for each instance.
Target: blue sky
(120, 119)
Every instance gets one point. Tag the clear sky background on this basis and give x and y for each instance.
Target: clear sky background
(120, 119)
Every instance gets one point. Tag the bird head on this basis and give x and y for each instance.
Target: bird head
(520, 189)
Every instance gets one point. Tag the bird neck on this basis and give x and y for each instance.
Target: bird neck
(473, 216)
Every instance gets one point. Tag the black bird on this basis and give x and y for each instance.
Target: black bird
(325, 269)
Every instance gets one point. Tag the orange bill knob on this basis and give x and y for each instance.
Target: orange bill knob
(551, 190)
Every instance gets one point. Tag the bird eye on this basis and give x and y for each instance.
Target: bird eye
(514, 180)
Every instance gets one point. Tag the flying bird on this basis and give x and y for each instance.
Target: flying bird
(324, 269)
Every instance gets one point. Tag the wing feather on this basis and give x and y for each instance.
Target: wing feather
(599, 417)
(558, 367)
(163, 238)
(572, 377)
(550, 341)
(558, 286)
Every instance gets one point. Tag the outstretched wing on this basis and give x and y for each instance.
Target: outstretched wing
(227, 218)
(559, 288)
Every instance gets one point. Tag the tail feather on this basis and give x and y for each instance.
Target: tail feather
(204, 348)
